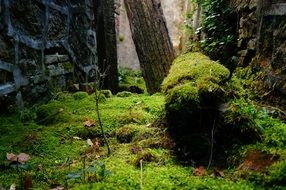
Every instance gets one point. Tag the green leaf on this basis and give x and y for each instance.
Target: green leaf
(91, 169)
(74, 175)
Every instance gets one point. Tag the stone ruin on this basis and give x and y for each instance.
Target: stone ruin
(45, 45)
(262, 41)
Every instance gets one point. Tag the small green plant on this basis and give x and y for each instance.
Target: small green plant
(219, 25)
(27, 114)
(277, 174)
(121, 38)
(95, 172)
(245, 115)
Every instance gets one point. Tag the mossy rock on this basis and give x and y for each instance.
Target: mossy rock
(198, 69)
(101, 95)
(132, 133)
(193, 80)
(80, 95)
(193, 83)
(124, 94)
(131, 88)
(106, 93)
(52, 113)
(182, 95)
(146, 156)
(194, 92)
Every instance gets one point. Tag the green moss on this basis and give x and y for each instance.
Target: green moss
(244, 115)
(146, 156)
(274, 132)
(106, 93)
(55, 151)
(132, 133)
(121, 38)
(191, 76)
(80, 95)
(196, 68)
(124, 94)
(277, 175)
(52, 113)
(182, 95)
(129, 78)
(67, 65)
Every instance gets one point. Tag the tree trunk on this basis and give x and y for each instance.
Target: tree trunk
(150, 35)
(106, 43)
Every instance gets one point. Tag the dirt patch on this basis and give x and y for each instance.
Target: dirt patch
(258, 161)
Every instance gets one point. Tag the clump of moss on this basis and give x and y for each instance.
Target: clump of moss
(131, 133)
(194, 92)
(182, 95)
(106, 93)
(277, 175)
(131, 80)
(124, 94)
(162, 141)
(52, 113)
(274, 133)
(197, 69)
(145, 156)
(80, 95)
(193, 77)
(241, 117)
(133, 116)
(101, 96)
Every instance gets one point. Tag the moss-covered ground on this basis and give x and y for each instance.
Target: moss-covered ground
(65, 144)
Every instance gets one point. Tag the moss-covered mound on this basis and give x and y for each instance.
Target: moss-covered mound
(132, 132)
(193, 95)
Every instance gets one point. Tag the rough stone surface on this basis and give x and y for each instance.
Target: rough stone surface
(262, 33)
(45, 43)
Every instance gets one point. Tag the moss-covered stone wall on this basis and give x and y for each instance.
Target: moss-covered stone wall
(261, 42)
(45, 43)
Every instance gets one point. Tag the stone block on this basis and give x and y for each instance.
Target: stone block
(242, 53)
(251, 44)
(56, 58)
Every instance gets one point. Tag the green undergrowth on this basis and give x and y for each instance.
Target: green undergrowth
(159, 172)
(59, 152)
(55, 135)
(131, 80)
(194, 89)
(67, 150)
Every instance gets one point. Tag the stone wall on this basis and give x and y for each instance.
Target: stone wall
(262, 40)
(45, 44)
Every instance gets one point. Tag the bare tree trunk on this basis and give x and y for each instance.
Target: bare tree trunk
(150, 35)
(106, 43)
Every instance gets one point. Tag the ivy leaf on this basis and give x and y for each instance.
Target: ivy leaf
(2, 148)
(107, 173)
(74, 175)
(91, 169)
(25, 167)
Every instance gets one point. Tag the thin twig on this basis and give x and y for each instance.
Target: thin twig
(212, 145)
(141, 174)
(98, 86)
(99, 121)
